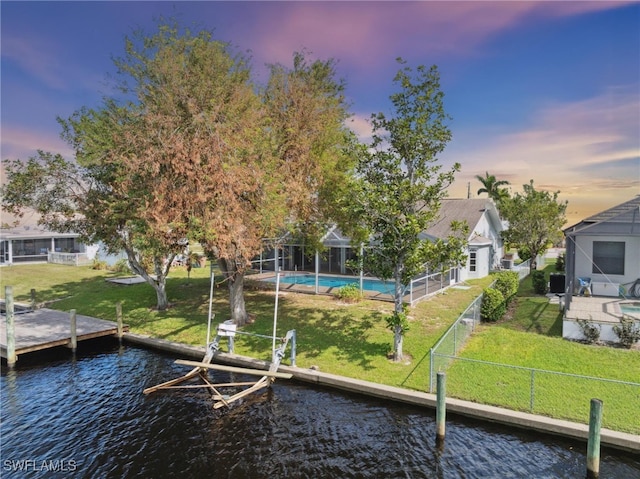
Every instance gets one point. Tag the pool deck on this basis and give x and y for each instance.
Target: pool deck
(47, 328)
(577, 431)
(595, 308)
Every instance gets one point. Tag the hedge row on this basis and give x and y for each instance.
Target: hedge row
(497, 297)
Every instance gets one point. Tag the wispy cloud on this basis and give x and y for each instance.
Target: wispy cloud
(586, 147)
(360, 34)
(23, 143)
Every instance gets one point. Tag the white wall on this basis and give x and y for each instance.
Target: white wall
(584, 250)
(572, 330)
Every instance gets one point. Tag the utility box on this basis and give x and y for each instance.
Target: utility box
(557, 283)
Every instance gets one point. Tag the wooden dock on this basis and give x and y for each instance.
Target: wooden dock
(48, 328)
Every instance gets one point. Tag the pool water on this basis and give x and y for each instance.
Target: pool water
(85, 416)
(630, 308)
(324, 281)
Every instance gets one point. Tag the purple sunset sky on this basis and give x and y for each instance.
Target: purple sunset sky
(548, 91)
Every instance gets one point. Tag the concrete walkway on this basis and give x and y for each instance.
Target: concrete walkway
(543, 424)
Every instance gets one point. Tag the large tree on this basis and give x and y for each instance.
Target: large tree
(195, 150)
(224, 161)
(535, 220)
(399, 187)
(86, 196)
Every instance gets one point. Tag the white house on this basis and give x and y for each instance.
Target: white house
(485, 248)
(603, 270)
(30, 243)
(604, 250)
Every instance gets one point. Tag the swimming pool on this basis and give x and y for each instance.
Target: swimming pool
(325, 281)
(630, 308)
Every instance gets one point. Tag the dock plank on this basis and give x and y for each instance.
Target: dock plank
(47, 328)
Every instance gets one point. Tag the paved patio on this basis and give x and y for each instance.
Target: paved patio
(601, 309)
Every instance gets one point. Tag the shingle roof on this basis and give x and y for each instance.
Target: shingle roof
(458, 209)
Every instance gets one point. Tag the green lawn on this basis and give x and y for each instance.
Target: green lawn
(352, 340)
(532, 338)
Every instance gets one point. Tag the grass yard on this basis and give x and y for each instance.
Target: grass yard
(532, 338)
(352, 339)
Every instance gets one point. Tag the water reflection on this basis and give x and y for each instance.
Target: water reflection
(91, 412)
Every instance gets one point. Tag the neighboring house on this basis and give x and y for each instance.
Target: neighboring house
(28, 244)
(485, 248)
(604, 250)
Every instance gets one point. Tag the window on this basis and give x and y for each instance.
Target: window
(608, 257)
(472, 261)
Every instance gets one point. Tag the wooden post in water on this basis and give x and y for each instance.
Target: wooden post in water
(33, 299)
(119, 320)
(73, 343)
(441, 408)
(593, 444)
(11, 326)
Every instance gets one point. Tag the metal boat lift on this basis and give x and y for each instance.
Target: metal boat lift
(200, 369)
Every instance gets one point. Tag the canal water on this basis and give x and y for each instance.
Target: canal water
(86, 416)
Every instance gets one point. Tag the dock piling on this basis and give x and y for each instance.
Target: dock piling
(593, 444)
(11, 329)
(441, 408)
(73, 342)
(119, 321)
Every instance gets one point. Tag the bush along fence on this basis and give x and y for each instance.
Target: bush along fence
(520, 388)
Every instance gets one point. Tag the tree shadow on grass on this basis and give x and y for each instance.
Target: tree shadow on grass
(318, 330)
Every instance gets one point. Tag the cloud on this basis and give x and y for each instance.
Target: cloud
(360, 34)
(23, 143)
(589, 150)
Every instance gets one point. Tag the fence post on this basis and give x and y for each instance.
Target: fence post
(431, 370)
(11, 326)
(33, 299)
(73, 343)
(455, 337)
(119, 320)
(531, 402)
(593, 444)
(441, 407)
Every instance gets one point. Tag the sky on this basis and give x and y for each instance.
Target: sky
(544, 91)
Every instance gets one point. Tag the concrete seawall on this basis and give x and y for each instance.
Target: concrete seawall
(613, 439)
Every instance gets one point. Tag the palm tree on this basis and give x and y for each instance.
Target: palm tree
(491, 186)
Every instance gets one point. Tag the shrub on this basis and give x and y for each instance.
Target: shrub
(590, 331)
(121, 266)
(539, 282)
(524, 253)
(493, 305)
(507, 283)
(560, 261)
(628, 331)
(99, 264)
(349, 293)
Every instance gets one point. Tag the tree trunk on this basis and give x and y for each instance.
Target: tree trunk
(235, 279)
(159, 283)
(161, 293)
(397, 330)
(397, 343)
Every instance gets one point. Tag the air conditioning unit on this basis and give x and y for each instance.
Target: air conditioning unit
(507, 263)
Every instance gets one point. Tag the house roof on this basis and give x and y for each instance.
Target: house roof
(31, 232)
(623, 218)
(460, 209)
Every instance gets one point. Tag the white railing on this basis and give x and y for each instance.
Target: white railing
(71, 259)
